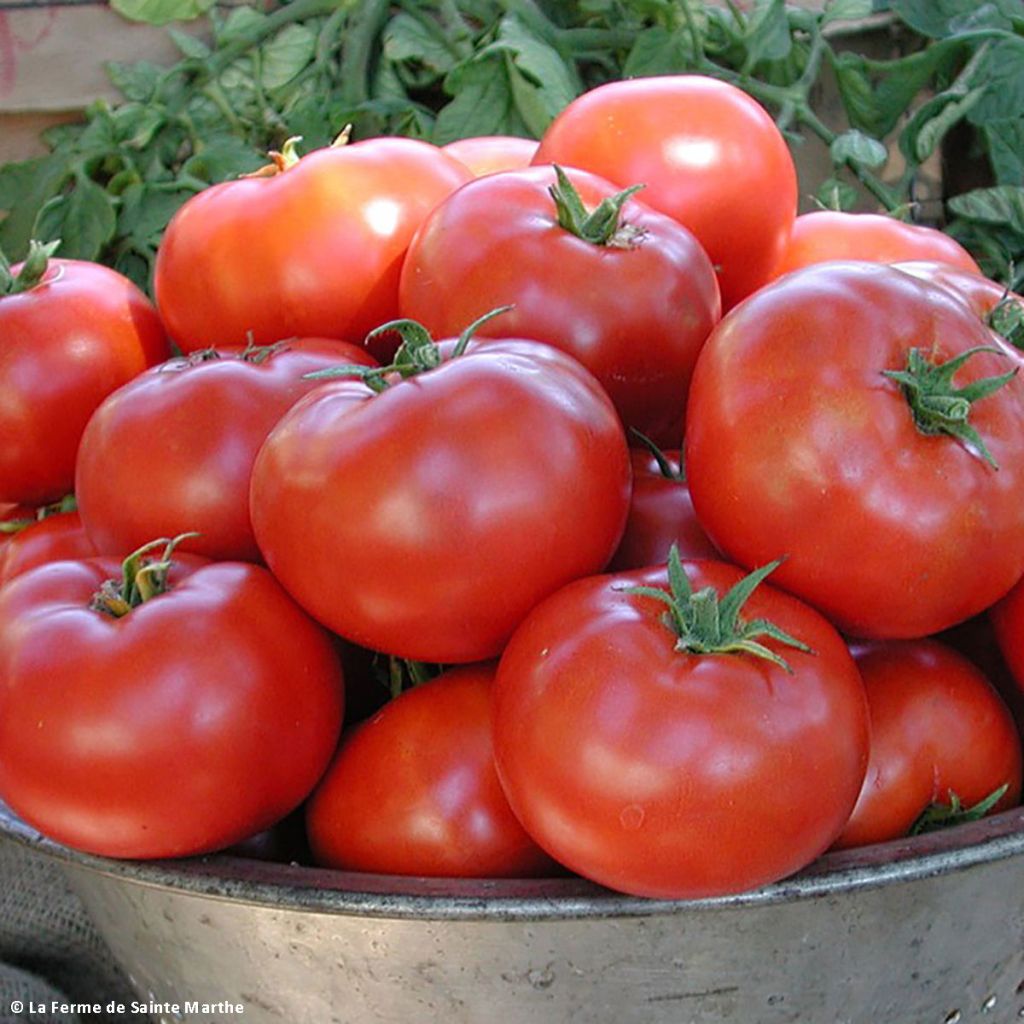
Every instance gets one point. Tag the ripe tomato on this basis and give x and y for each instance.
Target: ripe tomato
(1007, 617)
(632, 302)
(65, 344)
(800, 442)
(413, 790)
(172, 451)
(660, 514)
(938, 727)
(1000, 308)
(707, 154)
(834, 235)
(199, 718)
(485, 154)
(666, 773)
(314, 250)
(446, 506)
(53, 539)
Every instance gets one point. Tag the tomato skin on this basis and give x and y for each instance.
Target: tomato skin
(979, 292)
(413, 790)
(937, 724)
(796, 444)
(661, 773)
(485, 154)
(446, 506)
(1007, 618)
(56, 538)
(314, 251)
(836, 235)
(635, 316)
(172, 451)
(200, 718)
(660, 514)
(83, 331)
(708, 155)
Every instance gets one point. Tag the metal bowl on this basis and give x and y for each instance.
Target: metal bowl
(922, 931)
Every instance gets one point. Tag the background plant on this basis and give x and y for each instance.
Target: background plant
(445, 69)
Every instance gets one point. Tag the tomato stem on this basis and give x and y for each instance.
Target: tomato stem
(601, 226)
(141, 580)
(706, 622)
(667, 470)
(940, 408)
(32, 271)
(418, 353)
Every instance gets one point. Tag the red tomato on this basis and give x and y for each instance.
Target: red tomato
(65, 344)
(937, 727)
(1000, 308)
(485, 154)
(314, 250)
(13, 519)
(660, 514)
(798, 443)
(834, 235)
(199, 718)
(173, 450)
(707, 154)
(634, 309)
(1007, 618)
(54, 539)
(413, 790)
(665, 773)
(446, 506)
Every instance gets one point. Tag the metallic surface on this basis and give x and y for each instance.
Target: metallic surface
(923, 930)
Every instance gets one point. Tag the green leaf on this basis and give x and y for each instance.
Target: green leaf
(768, 38)
(408, 39)
(286, 55)
(876, 94)
(1000, 205)
(547, 84)
(854, 147)
(160, 12)
(931, 123)
(482, 103)
(847, 10)
(939, 19)
(241, 23)
(1005, 142)
(49, 175)
(221, 157)
(137, 123)
(134, 81)
(659, 51)
(836, 195)
(87, 220)
(17, 181)
(1002, 75)
(190, 45)
(146, 212)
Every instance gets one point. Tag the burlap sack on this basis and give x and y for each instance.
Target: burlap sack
(49, 951)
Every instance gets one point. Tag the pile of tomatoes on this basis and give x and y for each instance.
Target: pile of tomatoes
(658, 494)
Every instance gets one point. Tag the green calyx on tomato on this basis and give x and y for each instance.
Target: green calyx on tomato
(12, 526)
(706, 622)
(32, 270)
(141, 580)
(940, 408)
(601, 226)
(1007, 320)
(417, 354)
(939, 816)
